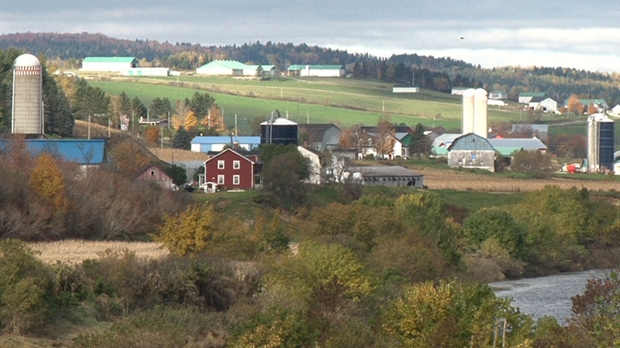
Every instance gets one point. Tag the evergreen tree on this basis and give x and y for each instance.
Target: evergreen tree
(182, 140)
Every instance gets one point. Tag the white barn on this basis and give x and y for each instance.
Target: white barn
(316, 70)
(109, 64)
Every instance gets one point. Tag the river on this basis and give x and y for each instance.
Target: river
(550, 295)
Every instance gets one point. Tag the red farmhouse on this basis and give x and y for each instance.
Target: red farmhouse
(230, 171)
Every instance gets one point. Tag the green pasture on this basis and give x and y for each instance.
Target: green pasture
(342, 101)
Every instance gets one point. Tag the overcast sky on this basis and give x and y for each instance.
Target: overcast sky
(579, 34)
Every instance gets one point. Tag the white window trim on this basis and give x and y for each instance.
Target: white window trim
(220, 179)
(236, 164)
(220, 164)
(236, 179)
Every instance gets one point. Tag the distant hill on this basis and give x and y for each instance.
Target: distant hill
(440, 74)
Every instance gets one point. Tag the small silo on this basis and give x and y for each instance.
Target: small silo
(600, 143)
(279, 131)
(480, 112)
(27, 95)
(468, 111)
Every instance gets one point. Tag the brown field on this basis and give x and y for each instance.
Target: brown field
(76, 251)
(436, 179)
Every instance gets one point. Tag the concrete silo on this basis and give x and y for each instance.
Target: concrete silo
(27, 95)
(600, 143)
(480, 112)
(468, 111)
(475, 112)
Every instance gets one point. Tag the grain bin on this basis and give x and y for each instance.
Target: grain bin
(279, 130)
(27, 110)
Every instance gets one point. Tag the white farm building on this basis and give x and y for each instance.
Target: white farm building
(316, 70)
(109, 64)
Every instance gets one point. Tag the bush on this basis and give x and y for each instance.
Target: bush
(24, 284)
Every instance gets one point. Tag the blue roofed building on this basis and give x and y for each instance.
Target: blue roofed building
(218, 143)
(81, 151)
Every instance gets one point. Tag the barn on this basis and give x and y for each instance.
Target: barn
(316, 70)
(109, 64)
(472, 151)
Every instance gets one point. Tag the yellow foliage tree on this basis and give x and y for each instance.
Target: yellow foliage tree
(575, 105)
(214, 119)
(47, 181)
(385, 139)
(191, 122)
(188, 232)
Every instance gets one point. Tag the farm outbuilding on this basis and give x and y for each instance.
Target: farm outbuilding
(385, 176)
(109, 64)
(316, 70)
(472, 151)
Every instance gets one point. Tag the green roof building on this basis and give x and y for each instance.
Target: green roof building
(109, 64)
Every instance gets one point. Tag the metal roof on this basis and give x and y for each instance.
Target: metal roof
(109, 59)
(370, 171)
(226, 139)
(228, 64)
(528, 144)
(315, 67)
(471, 141)
(79, 151)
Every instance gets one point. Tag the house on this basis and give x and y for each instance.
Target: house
(401, 145)
(155, 174)
(615, 111)
(109, 64)
(229, 170)
(218, 143)
(159, 122)
(316, 165)
(320, 136)
(472, 151)
(498, 95)
(316, 70)
(525, 97)
(384, 176)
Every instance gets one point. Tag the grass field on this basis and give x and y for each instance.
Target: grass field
(342, 101)
(76, 251)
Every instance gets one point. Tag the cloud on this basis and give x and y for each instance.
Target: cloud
(538, 33)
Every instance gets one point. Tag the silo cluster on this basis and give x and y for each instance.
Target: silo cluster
(600, 143)
(475, 112)
(27, 100)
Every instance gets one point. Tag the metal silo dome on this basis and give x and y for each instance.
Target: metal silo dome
(27, 108)
(279, 131)
(27, 60)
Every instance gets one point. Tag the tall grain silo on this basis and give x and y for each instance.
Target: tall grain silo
(480, 113)
(600, 143)
(27, 95)
(468, 111)
(279, 130)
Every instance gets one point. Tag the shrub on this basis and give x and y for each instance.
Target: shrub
(188, 232)
(24, 284)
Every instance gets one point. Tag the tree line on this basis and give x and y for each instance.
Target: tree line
(435, 73)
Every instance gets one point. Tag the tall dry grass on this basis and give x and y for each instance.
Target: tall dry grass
(76, 251)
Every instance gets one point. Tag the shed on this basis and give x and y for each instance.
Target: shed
(385, 176)
(153, 173)
(222, 67)
(472, 151)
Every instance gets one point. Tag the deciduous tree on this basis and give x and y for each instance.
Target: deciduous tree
(188, 232)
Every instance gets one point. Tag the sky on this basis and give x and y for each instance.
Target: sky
(491, 33)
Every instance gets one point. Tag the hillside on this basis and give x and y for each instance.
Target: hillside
(440, 74)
